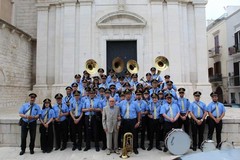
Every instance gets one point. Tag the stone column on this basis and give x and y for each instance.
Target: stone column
(42, 41)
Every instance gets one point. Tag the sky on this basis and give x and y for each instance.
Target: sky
(215, 8)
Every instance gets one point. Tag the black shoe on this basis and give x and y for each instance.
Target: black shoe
(135, 151)
(49, 151)
(194, 148)
(43, 151)
(79, 148)
(31, 151)
(159, 148)
(74, 148)
(97, 149)
(143, 148)
(199, 147)
(57, 148)
(63, 148)
(86, 149)
(165, 149)
(104, 148)
(149, 148)
(21, 153)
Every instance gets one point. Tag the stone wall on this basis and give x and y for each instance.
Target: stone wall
(16, 57)
(25, 16)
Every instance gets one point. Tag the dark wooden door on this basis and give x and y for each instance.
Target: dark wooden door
(126, 50)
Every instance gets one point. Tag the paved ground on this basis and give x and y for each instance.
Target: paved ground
(12, 153)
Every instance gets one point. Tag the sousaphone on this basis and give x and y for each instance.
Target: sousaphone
(161, 63)
(91, 66)
(118, 65)
(132, 66)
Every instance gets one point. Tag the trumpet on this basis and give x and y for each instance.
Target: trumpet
(127, 145)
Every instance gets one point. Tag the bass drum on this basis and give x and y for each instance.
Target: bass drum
(226, 145)
(178, 142)
(208, 145)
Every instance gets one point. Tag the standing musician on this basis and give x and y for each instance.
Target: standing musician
(78, 79)
(184, 105)
(144, 110)
(92, 107)
(216, 112)
(134, 82)
(100, 73)
(46, 127)
(131, 115)
(127, 76)
(148, 82)
(111, 124)
(154, 124)
(171, 91)
(198, 113)
(163, 86)
(114, 94)
(103, 83)
(29, 113)
(109, 77)
(155, 88)
(170, 112)
(61, 123)
(121, 84)
(156, 76)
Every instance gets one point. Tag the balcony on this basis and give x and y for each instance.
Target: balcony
(232, 51)
(215, 78)
(234, 81)
(214, 52)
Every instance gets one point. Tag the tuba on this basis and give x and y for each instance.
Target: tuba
(161, 64)
(127, 145)
(132, 66)
(118, 65)
(91, 66)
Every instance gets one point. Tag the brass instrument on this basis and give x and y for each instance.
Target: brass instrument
(142, 79)
(132, 66)
(127, 145)
(91, 66)
(161, 64)
(118, 65)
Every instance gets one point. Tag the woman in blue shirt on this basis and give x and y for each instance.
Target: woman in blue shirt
(46, 126)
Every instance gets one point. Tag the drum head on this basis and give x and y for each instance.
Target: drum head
(208, 145)
(178, 142)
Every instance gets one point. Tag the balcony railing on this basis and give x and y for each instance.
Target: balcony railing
(234, 50)
(215, 78)
(214, 52)
(234, 81)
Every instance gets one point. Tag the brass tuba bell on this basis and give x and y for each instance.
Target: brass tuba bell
(132, 66)
(118, 65)
(91, 66)
(127, 145)
(161, 63)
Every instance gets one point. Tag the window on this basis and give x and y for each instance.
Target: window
(233, 99)
(217, 68)
(236, 73)
(210, 72)
(216, 43)
(237, 40)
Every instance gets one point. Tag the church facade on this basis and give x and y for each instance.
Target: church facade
(70, 32)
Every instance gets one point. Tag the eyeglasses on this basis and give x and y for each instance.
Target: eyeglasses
(111, 101)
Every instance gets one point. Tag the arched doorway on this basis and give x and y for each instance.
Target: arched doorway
(220, 94)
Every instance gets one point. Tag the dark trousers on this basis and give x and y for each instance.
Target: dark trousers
(197, 130)
(76, 132)
(143, 129)
(46, 137)
(168, 126)
(128, 126)
(211, 125)
(155, 127)
(120, 135)
(101, 131)
(185, 123)
(31, 127)
(61, 133)
(91, 130)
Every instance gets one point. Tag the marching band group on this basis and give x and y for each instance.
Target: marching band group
(104, 108)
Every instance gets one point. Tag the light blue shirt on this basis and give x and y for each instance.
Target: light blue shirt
(105, 85)
(158, 77)
(212, 108)
(35, 111)
(165, 109)
(186, 103)
(60, 108)
(96, 104)
(151, 109)
(174, 94)
(133, 109)
(67, 99)
(154, 90)
(47, 112)
(73, 107)
(194, 108)
(142, 105)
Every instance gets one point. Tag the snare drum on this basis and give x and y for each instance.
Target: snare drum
(178, 142)
(225, 145)
(208, 145)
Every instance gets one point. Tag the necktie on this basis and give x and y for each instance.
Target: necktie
(45, 116)
(60, 108)
(217, 110)
(171, 111)
(182, 105)
(139, 104)
(127, 113)
(198, 110)
(154, 111)
(107, 103)
(76, 110)
(91, 105)
(28, 113)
